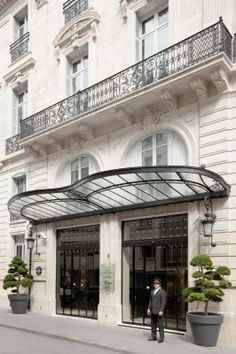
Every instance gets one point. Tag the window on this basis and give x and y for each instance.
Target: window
(19, 184)
(155, 150)
(19, 246)
(22, 27)
(19, 106)
(21, 23)
(79, 168)
(153, 32)
(164, 147)
(79, 74)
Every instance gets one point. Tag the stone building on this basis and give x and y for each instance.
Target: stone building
(131, 105)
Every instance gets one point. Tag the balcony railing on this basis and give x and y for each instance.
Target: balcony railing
(19, 47)
(12, 144)
(193, 50)
(72, 8)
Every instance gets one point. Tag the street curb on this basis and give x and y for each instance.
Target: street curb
(70, 339)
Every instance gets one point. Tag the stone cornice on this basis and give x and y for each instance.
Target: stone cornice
(77, 28)
(22, 68)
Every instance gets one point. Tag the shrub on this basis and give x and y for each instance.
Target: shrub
(209, 281)
(17, 276)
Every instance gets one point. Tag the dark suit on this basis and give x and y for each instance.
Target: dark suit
(156, 304)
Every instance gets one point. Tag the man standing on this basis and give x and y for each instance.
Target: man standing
(156, 308)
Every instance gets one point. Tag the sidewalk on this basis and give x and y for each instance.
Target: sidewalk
(90, 332)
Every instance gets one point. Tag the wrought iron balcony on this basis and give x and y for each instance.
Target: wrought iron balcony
(193, 50)
(19, 47)
(12, 144)
(72, 8)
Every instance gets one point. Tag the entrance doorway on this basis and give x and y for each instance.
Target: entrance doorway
(78, 271)
(155, 248)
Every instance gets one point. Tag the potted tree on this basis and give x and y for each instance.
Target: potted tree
(16, 278)
(208, 284)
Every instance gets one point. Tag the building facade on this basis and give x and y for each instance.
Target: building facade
(115, 100)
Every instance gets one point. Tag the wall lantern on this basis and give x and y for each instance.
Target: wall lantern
(208, 221)
(30, 240)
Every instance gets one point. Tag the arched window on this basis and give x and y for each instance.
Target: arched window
(164, 147)
(80, 167)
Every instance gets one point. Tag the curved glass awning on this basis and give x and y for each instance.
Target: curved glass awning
(119, 190)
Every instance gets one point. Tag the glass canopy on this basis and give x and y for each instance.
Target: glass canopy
(119, 190)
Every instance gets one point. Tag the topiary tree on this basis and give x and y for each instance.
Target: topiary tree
(209, 281)
(17, 276)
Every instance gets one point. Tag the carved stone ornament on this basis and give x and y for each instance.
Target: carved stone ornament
(169, 100)
(123, 116)
(151, 119)
(123, 5)
(39, 148)
(40, 3)
(73, 142)
(199, 87)
(5, 4)
(189, 118)
(84, 132)
(77, 29)
(29, 150)
(58, 144)
(220, 80)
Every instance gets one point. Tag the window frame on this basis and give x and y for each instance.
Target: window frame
(155, 31)
(83, 72)
(80, 167)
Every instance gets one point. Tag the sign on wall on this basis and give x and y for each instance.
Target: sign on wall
(107, 277)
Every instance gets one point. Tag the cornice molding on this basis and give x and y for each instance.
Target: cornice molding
(22, 68)
(77, 28)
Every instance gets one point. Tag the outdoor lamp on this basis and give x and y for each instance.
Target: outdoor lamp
(30, 239)
(208, 220)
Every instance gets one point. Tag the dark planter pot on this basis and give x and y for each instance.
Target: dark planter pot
(205, 329)
(19, 303)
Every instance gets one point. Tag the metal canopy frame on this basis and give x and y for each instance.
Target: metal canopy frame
(119, 190)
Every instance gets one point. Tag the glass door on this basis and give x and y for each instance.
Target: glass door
(145, 259)
(78, 272)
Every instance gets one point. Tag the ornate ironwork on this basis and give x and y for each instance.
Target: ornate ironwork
(72, 8)
(19, 47)
(12, 144)
(195, 49)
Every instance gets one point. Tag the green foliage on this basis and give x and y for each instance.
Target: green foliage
(209, 281)
(201, 260)
(17, 276)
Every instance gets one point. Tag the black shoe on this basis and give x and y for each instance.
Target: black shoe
(149, 339)
(160, 340)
